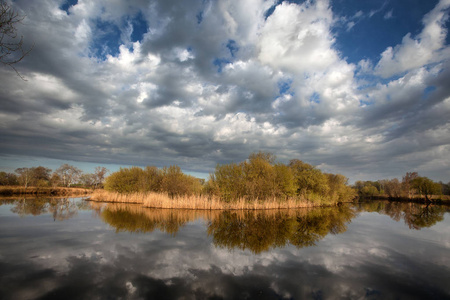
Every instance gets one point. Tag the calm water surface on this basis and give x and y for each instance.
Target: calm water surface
(74, 249)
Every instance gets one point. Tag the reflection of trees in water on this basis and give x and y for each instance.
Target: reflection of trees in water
(260, 231)
(61, 209)
(254, 230)
(415, 215)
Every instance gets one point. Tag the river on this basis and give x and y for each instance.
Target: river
(76, 249)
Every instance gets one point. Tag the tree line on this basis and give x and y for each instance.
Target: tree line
(259, 177)
(65, 176)
(412, 186)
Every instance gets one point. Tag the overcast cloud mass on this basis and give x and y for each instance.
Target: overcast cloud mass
(353, 87)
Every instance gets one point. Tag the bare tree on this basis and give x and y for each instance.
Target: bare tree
(99, 175)
(25, 176)
(68, 174)
(11, 44)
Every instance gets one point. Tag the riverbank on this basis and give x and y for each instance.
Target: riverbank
(46, 191)
(434, 199)
(160, 200)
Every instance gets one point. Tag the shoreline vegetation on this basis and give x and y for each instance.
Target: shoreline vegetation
(411, 188)
(43, 191)
(197, 202)
(259, 182)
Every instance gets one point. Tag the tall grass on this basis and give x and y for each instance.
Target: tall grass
(160, 200)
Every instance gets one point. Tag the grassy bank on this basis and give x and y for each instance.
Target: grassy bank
(160, 200)
(47, 191)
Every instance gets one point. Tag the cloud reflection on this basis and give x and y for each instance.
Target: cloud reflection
(373, 257)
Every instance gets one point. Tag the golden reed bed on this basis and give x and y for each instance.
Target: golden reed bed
(160, 200)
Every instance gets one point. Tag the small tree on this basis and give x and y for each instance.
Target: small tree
(99, 176)
(407, 183)
(393, 188)
(25, 176)
(426, 187)
(88, 180)
(68, 174)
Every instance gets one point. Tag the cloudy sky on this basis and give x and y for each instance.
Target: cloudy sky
(354, 87)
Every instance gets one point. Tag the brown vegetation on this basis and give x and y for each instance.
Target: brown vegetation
(202, 202)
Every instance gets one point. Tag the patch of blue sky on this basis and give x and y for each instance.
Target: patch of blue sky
(314, 98)
(428, 91)
(107, 39)
(140, 27)
(447, 25)
(233, 47)
(369, 27)
(199, 17)
(284, 86)
(270, 11)
(220, 63)
(366, 81)
(370, 80)
(67, 4)
(365, 103)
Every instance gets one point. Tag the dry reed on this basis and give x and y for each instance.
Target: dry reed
(160, 200)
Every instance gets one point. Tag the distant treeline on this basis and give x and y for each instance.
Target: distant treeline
(65, 176)
(260, 177)
(411, 187)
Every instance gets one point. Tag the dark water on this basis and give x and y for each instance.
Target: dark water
(73, 249)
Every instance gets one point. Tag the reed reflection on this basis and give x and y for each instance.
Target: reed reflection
(135, 218)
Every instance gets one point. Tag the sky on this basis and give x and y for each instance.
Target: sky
(354, 87)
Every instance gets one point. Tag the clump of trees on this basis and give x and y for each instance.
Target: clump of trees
(170, 180)
(412, 186)
(261, 177)
(65, 176)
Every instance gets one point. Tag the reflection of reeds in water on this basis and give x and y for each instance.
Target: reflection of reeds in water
(255, 230)
(189, 215)
(160, 200)
(136, 218)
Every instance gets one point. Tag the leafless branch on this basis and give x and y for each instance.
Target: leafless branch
(11, 45)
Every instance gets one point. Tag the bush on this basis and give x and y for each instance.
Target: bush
(169, 180)
(126, 180)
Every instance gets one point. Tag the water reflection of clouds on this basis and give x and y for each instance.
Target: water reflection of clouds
(375, 258)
